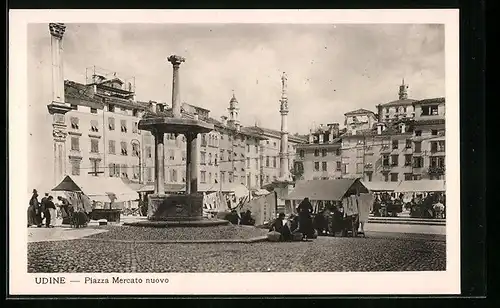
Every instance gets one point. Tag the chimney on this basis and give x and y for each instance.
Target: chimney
(152, 106)
(403, 128)
(320, 138)
(311, 137)
(379, 128)
(160, 107)
(130, 87)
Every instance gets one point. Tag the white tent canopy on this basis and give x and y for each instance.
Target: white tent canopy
(381, 186)
(421, 186)
(100, 188)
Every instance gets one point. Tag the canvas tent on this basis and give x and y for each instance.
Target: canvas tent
(421, 186)
(101, 189)
(381, 186)
(324, 190)
(169, 188)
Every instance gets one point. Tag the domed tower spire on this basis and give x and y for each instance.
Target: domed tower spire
(403, 94)
(234, 111)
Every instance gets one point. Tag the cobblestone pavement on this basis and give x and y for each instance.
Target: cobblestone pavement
(377, 252)
(178, 233)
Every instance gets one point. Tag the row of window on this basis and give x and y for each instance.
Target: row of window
(324, 152)
(324, 166)
(426, 110)
(387, 161)
(111, 108)
(94, 147)
(94, 125)
(208, 177)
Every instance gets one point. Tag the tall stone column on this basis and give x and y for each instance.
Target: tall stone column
(58, 108)
(176, 95)
(284, 172)
(159, 163)
(192, 164)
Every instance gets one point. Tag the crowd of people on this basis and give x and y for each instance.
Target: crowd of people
(423, 205)
(44, 212)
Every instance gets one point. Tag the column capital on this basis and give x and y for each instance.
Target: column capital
(176, 60)
(58, 108)
(57, 30)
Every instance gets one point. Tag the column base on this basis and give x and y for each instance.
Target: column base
(163, 207)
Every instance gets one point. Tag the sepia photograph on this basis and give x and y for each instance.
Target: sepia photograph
(215, 147)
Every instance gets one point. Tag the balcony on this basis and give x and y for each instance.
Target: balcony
(437, 151)
(386, 168)
(437, 170)
(385, 149)
(95, 156)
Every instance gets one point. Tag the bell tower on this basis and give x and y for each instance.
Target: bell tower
(403, 90)
(234, 112)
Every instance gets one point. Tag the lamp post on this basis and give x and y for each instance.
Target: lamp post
(139, 153)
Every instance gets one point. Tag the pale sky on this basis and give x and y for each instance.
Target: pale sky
(331, 69)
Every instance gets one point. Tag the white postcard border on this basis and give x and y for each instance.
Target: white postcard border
(22, 283)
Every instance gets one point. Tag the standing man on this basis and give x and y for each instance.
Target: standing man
(42, 207)
(48, 208)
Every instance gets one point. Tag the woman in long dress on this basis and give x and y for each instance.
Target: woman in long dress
(305, 221)
(32, 208)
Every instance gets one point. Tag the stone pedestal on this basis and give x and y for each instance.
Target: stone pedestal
(175, 207)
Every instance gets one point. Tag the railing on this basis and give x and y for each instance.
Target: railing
(437, 170)
(385, 148)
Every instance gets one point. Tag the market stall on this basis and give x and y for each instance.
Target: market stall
(108, 195)
(421, 186)
(425, 196)
(337, 197)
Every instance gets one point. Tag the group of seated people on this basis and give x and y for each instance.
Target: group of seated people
(330, 221)
(296, 227)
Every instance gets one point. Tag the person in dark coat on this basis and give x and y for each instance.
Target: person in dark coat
(42, 206)
(305, 210)
(279, 226)
(38, 212)
(319, 222)
(337, 221)
(33, 205)
(293, 223)
(49, 204)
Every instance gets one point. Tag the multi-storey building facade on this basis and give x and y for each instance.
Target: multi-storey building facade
(404, 142)
(402, 150)
(104, 140)
(269, 149)
(103, 136)
(380, 154)
(320, 158)
(429, 138)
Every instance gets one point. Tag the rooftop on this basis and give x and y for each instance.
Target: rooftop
(274, 133)
(359, 112)
(399, 102)
(436, 100)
